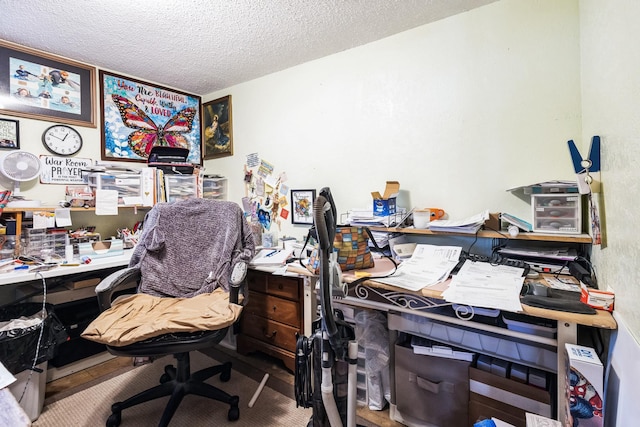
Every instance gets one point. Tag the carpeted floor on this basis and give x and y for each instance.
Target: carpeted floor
(92, 406)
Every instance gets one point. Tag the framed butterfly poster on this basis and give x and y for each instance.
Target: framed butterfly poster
(137, 116)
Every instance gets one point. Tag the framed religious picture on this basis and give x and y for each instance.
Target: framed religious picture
(302, 206)
(218, 134)
(9, 134)
(137, 116)
(40, 86)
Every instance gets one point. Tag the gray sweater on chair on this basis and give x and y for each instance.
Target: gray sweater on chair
(189, 247)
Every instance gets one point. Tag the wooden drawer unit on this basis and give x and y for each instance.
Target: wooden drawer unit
(272, 316)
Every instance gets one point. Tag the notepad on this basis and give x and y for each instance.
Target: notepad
(271, 256)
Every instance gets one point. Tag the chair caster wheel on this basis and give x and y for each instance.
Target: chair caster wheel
(234, 411)
(169, 374)
(114, 419)
(234, 414)
(225, 375)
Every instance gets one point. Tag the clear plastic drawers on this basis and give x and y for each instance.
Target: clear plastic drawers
(180, 187)
(214, 187)
(557, 213)
(127, 185)
(45, 244)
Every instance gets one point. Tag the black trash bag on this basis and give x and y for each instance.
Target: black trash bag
(18, 346)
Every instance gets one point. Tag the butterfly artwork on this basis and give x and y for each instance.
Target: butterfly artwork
(147, 133)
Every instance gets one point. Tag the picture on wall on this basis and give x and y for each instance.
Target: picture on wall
(9, 134)
(40, 86)
(218, 134)
(137, 116)
(302, 211)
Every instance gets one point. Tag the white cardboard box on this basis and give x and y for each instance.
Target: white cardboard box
(584, 387)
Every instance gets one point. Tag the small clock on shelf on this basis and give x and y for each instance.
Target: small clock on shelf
(62, 140)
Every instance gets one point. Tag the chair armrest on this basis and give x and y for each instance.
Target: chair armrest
(117, 280)
(237, 280)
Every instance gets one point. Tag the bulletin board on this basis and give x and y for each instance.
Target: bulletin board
(266, 201)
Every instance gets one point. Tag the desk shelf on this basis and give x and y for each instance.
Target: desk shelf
(488, 234)
(18, 214)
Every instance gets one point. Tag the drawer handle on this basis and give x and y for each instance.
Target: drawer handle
(271, 335)
(275, 308)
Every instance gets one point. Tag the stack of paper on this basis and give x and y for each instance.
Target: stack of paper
(428, 265)
(486, 285)
(469, 225)
(425, 346)
(365, 217)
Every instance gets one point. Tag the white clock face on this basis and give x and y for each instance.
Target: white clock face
(62, 140)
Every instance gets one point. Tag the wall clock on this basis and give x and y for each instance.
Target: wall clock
(62, 140)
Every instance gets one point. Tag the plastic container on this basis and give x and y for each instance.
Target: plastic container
(29, 392)
(557, 213)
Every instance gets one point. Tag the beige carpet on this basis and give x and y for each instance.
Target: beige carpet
(92, 406)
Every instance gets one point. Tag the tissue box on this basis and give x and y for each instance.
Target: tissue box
(584, 387)
(601, 300)
(385, 205)
(102, 248)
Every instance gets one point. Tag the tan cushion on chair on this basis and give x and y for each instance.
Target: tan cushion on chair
(138, 317)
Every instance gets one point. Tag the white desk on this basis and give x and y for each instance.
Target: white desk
(96, 264)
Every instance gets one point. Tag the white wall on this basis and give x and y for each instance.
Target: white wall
(610, 106)
(457, 111)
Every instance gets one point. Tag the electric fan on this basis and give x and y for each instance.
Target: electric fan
(20, 166)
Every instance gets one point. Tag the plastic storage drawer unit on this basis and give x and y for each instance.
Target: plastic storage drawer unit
(557, 213)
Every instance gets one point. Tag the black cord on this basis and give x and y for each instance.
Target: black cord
(302, 378)
(43, 315)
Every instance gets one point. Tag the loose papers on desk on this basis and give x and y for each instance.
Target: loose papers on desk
(469, 225)
(487, 285)
(428, 265)
(271, 256)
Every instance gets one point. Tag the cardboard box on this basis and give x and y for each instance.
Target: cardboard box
(384, 205)
(584, 387)
(601, 300)
(80, 284)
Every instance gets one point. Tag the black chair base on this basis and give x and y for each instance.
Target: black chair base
(177, 382)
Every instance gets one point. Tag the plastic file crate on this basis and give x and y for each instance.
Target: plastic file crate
(557, 213)
(532, 354)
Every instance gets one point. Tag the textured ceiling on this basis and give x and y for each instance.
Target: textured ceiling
(201, 46)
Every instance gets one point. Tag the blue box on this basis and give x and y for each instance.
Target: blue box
(383, 207)
(385, 204)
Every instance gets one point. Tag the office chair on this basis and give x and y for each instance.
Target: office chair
(187, 248)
